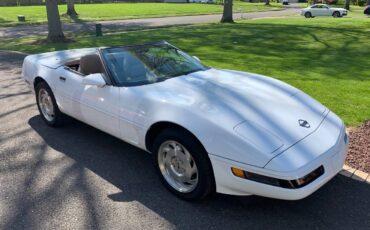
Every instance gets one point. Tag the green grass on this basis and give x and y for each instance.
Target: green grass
(115, 11)
(356, 13)
(327, 58)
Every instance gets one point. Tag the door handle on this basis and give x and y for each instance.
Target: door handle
(62, 78)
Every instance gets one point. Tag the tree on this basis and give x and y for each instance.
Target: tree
(227, 16)
(55, 32)
(368, 3)
(267, 2)
(347, 4)
(71, 8)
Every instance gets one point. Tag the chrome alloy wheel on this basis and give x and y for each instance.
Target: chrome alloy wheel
(46, 105)
(178, 166)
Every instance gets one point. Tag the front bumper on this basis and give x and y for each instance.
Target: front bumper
(331, 158)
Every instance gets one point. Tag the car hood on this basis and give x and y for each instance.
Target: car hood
(264, 111)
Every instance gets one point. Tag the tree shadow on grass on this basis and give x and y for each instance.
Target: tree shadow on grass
(4, 22)
(333, 52)
(336, 53)
(341, 204)
(276, 47)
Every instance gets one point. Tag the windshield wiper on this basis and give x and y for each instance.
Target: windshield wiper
(191, 71)
(187, 72)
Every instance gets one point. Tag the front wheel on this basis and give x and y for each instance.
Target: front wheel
(336, 14)
(47, 105)
(308, 15)
(183, 165)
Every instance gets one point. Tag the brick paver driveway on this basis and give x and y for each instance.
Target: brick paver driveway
(77, 177)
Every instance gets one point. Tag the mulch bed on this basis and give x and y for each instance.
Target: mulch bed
(359, 148)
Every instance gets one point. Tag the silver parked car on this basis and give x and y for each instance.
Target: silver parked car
(323, 10)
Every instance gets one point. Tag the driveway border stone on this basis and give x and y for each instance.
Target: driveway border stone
(355, 174)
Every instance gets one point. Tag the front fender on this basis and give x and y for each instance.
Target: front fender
(218, 137)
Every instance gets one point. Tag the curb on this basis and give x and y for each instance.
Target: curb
(13, 52)
(355, 174)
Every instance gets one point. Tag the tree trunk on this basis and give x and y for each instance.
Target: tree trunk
(368, 3)
(71, 8)
(227, 16)
(347, 4)
(55, 32)
(267, 3)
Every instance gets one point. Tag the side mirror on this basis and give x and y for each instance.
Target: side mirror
(195, 57)
(95, 79)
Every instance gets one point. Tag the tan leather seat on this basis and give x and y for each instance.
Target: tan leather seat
(90, 64)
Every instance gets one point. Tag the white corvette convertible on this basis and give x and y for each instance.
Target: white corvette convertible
(210, 130)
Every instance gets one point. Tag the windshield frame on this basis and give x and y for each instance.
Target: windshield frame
(115, 83)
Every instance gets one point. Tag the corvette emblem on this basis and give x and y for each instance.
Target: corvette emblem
(304, 123)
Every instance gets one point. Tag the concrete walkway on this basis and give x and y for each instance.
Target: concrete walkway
(41, 30)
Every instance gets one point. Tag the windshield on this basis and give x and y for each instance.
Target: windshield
(145, 64)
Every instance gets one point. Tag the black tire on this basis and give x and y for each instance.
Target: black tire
(59, 117)
(336, 14)
(206, 181)
(308, 15)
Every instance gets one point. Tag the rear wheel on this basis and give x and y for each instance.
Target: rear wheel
(183, 164)
(47, 105)
(308, 15)
(336, 14)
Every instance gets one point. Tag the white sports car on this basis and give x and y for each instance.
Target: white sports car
(323, 10)
(211, 130)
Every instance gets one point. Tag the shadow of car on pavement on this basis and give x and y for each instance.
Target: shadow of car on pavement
(343, 203)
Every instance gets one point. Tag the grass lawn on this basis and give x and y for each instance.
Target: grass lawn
(356, 13)
(328, 58)
(114, 11)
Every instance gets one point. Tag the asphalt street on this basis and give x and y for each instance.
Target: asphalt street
(41, 30)
(76, 177)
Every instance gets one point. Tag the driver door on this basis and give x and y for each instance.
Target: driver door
(96, 106)
(326, 11)
(321, 11)
(314, 11)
